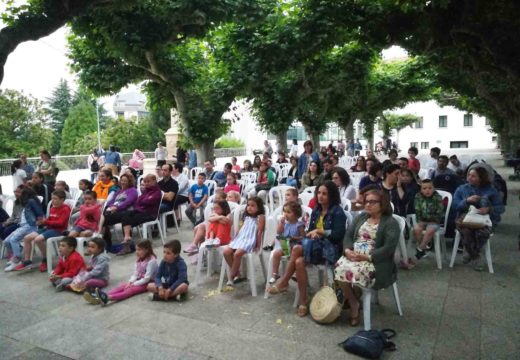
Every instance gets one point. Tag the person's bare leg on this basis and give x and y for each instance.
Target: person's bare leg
(296, 253)
(127, 231)
(181, 289)
(301, 277)
(277, 257)
(228, 255)
(199, 234)
(237, 257)
(27, 245)
(428, 235)
(40, 242)
(348, 292)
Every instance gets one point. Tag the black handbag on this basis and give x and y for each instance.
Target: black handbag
(369, 344)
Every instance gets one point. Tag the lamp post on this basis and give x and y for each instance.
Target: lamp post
(98, 127)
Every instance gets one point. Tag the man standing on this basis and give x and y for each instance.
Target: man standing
(28, 168)
(357, 148)
(192, 159)
(268, 148)
(181, 154)
(434, 156)
(160, 154)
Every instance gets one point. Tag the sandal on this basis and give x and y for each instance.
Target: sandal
(274, 290)
(303, 310)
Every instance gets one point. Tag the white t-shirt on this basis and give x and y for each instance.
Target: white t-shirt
(18, 178)
(161, 153)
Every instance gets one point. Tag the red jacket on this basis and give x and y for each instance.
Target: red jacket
(89, 216)
(58, 218)
(71, 266)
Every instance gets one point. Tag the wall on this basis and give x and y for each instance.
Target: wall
(478, 136)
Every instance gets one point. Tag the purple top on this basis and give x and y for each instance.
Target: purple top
(123, 199)
(149, 201)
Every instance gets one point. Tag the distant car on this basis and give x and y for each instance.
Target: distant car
(258, 151)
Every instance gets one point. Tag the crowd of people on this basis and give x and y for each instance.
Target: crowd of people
(361, 252)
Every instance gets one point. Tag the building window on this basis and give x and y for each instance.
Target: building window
(487, 122)
(443, 121)
(468, 120)
(425, 145)
(413, 144)
(458, 144)
(419, 123)
(494, 139)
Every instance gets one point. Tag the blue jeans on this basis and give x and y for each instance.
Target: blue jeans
(17, 236)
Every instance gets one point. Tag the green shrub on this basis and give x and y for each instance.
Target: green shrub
(228, 142)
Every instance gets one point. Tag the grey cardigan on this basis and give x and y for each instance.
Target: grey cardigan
(387, 238)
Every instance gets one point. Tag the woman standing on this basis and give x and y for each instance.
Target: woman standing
(323, 243)
(480, 193)
(19, 175)
(313, 177)
(47, 167)
(368, 259)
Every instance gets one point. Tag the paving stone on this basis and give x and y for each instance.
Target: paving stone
(10, 348)
(39, 354)
(499, 342)
(458, 338)
(14, 317)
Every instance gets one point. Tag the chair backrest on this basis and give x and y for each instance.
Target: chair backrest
(277, 191)
(71, 203)
(306, 197)
(355, 178)
(423, 173)
(237, 213)
(402, 225)
(284, 171)
(350, 218)
(212, 186)
(250, 177)
(194, 172)
(186, 171)
(346, 204)
(275, 217)
(446, 195)
(8, 203)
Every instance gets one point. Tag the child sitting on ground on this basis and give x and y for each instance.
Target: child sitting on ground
(429, 210)
(290, 230)
(69, 264)
(248, 239)
(144, 272)
(97, 272)
(55, 225)
(171, 281)
(89, 215)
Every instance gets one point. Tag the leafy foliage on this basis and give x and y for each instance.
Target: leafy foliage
(58, 106)
(226, 142)
(81, 122)
(24, 127)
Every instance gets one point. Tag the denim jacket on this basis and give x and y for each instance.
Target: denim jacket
(334, 226)
(33, 211)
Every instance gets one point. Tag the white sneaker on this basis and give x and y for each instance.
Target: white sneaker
(12, 266)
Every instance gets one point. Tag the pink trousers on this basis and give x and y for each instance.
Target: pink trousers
(120, 293)
(95, 283)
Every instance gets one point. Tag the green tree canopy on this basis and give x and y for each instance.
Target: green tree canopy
(58, 106)
(82, 121)
(24, 127)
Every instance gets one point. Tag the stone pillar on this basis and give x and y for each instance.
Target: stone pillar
(172, 135)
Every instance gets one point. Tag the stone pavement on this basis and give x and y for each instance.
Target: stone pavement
(450, 314)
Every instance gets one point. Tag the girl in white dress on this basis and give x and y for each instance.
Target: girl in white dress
(248, 239)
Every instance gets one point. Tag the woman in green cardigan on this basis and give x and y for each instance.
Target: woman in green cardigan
(370, 242)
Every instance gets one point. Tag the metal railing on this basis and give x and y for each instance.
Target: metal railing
(228, 152)
(65, 162)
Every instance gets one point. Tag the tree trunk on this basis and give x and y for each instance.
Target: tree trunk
(349, 131)
(205, 152)
(315, 138)
(281, 141)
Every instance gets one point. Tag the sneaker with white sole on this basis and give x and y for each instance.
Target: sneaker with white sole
(13, 265)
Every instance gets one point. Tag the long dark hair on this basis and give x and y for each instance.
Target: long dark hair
(259, 204)
(27, 194)
(343, 176)
(146, 245)
(15, 166)
(333, 193)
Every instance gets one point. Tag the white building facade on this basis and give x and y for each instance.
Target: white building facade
(444, 127)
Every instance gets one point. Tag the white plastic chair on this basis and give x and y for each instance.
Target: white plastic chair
(270, 233)
(440, 247)
(144, 226)
(194, 172)
(307, 194)
(211, 253)
(487, 251)
(249, 257)
(423, 173)
(7, 205)
(54, 240)
(367, 293)
(346, 204)
(279, 192)
(355, 178)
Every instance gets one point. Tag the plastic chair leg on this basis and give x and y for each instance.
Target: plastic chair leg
(251, 274)
(487, 250)
(396, 298)
(456, 243)
(262, 264)
(160, 232)
(269, 274)
(438, 255)
(224, 269)
(198, 269)
(366, 298)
